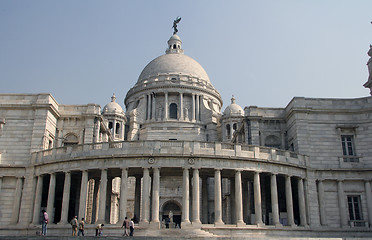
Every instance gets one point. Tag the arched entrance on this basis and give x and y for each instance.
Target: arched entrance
(172, 210)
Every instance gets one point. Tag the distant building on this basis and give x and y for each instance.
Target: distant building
(301, 170)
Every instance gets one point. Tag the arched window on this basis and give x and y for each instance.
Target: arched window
(174, 46)
(117, 129)
(173, 111)
(228, 130)
(110, 125)
(70, 139)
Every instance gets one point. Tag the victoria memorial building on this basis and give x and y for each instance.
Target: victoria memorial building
(301, 170)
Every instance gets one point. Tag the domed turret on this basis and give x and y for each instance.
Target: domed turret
(113, 106)
(231, 120)
(233, 109)
(116, 119)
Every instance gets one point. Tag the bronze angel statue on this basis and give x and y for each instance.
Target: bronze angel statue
(178, 19)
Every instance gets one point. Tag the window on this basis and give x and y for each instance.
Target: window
(173, 111)
(117, 129)
(355, 210)
(70, 139)
(228, 131)
(348, 149)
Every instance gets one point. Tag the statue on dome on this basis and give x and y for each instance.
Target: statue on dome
(175, 22)
(369, 63)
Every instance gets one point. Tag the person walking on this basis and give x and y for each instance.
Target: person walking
(81, 227)
(125, 226)
(131, 227)
(74, 225)
(44, 222)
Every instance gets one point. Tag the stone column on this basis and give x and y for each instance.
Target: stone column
(217, 198)
(51, 197)
(145, 196)
(185, 198)
(301, 202)
(37, 205)
(166, 106)
(322, 211)
(342, 203)
(102, 197)
(148, 106)
(123, 194)
(108, 200)
(245, 201)
(204, 200)
(193, 107)
(137, 198)
(155, 222)
(367, 185)
(231, 130)
(238, 199)
(196, 198)
(83, 194)
(181, 107)
(17, 200)
(289, 200)
(274, 200)
(114, 128)
(197, 108)
(153, 106)
(66, 198)
(257, 199)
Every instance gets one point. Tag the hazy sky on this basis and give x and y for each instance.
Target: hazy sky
(263, 52)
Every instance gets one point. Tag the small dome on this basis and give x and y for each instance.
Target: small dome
(233, 109)
(113, 107)
(175, 37)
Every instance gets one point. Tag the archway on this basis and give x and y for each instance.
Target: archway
(172, 209)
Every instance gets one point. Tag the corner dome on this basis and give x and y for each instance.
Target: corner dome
(233, 109)
(168, 64)
(113, 107)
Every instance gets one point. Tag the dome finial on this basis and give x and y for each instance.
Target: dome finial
(232, 99)
(113, 98)
(175, 30)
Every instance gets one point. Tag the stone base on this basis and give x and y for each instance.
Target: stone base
(186, 225)
(196, 224)
(154, 225)
(219, 224)
(144, 224)
(241, 224)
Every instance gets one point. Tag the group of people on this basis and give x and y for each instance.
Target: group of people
(78, 226)
(128, 225)
(75, 225)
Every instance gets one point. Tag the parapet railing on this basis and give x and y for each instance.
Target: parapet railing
(179, 148)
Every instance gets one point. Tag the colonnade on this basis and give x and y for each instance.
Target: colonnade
(150, 191)
(153, 114)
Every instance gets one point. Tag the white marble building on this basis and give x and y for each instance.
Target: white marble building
(302, 169)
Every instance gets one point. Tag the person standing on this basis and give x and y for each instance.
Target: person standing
(131, 227)
(44, 222)
(125, 226)
(74, 225)
(81, 227)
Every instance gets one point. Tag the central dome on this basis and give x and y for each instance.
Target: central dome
(173, 63)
